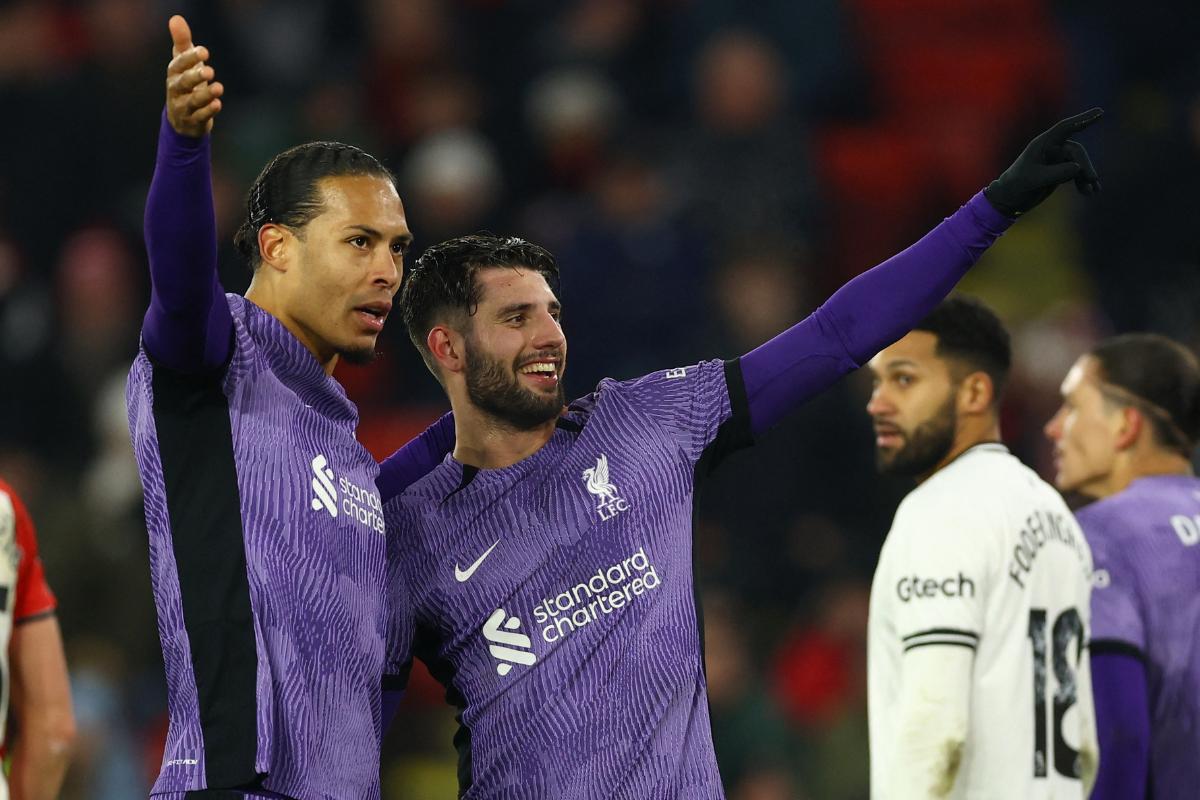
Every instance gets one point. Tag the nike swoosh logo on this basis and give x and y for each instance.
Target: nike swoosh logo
(462, 575)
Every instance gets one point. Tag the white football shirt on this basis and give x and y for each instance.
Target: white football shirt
(984, 579)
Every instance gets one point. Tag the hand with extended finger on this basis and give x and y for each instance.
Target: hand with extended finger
(1050, 159)
(193, 97)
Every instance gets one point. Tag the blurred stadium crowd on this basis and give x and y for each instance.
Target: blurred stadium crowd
(706, 171)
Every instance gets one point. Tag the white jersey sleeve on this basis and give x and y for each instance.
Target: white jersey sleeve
(936, 565)
(978, 681)
(932, 579)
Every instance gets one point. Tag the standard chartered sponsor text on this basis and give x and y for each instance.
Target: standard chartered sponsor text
(607, 590)
(362, 504)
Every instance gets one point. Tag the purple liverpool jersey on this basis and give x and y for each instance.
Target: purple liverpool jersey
(268, 561)
(1146, 596)
(555, 599)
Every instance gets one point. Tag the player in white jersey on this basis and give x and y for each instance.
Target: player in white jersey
(978, 682)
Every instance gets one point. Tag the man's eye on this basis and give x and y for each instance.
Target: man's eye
(904, 380)
(399, 249)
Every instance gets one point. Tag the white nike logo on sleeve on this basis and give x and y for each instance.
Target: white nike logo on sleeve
(462, 575)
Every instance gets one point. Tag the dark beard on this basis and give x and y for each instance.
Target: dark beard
(359, 356)
(925, 448)
(493, 387)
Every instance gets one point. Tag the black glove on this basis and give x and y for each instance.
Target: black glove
(1050, 159)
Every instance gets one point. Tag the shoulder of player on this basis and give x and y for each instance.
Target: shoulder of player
(1115, 518)
(426, 493)
(968, 496)
(675, 379)
(966, 486)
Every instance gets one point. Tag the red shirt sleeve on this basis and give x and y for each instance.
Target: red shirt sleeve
(34, 598)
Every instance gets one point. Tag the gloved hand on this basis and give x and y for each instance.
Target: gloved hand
(1050, 159)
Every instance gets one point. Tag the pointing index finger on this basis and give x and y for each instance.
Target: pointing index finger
(1072, 125)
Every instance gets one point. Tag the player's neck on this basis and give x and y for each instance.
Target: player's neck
(1146, 462)
(261, 294)
(482, 440)
(969, 433)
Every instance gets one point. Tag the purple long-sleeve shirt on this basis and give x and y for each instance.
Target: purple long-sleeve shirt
(188, 326)
(265, 525)
(1145, 543)
(555, 597)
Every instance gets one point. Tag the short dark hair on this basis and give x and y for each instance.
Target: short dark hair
(1161, 377)
(443, 279)
(287, 191)
(969, 332)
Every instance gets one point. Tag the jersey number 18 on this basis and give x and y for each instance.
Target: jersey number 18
(1068, 629)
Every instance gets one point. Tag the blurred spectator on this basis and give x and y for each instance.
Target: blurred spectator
(573, 115)
(755, 749)
(107, 763)
(451, 183)
(98, 306)
(745, 165)
(819, 677)
(630, 262)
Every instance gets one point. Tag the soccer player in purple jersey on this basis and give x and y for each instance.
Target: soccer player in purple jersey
(267, 544)
(544, 572)
(1125, 435)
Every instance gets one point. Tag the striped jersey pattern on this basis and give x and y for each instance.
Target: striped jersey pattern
(267, 554)
(1146, 601)
(555, 597)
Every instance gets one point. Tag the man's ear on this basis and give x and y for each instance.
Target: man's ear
(448, 348)
(976, 393)
(275, 244)
(1129, 428)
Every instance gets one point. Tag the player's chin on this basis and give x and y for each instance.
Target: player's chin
(359, 352)
(1064, 482)
(886, 458)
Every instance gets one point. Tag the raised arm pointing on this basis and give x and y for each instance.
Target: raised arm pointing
(188, 327)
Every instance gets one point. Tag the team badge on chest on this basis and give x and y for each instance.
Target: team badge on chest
(609, 502)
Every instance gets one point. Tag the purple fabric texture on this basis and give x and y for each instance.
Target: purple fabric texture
(1122, 725)
(187, 327)
(313, 537)
(867, 314)
(556, 597)
(412, 461)
(1145, 545)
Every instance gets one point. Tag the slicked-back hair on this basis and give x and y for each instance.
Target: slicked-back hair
(1159, 376)
(287, 192)
(441, 286)
(971, 334)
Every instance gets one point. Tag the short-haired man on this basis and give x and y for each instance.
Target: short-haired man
(977, 684)
(547, 566)
(267, 544)
(1125, 436)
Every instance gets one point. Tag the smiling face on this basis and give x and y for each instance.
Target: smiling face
(912, 406)
(343, 268)
(1085, 432)
(515, 348)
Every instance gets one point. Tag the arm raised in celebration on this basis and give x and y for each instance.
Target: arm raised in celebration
(188, 326)
(881, 305)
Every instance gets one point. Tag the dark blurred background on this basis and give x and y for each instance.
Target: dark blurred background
(706, 171)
